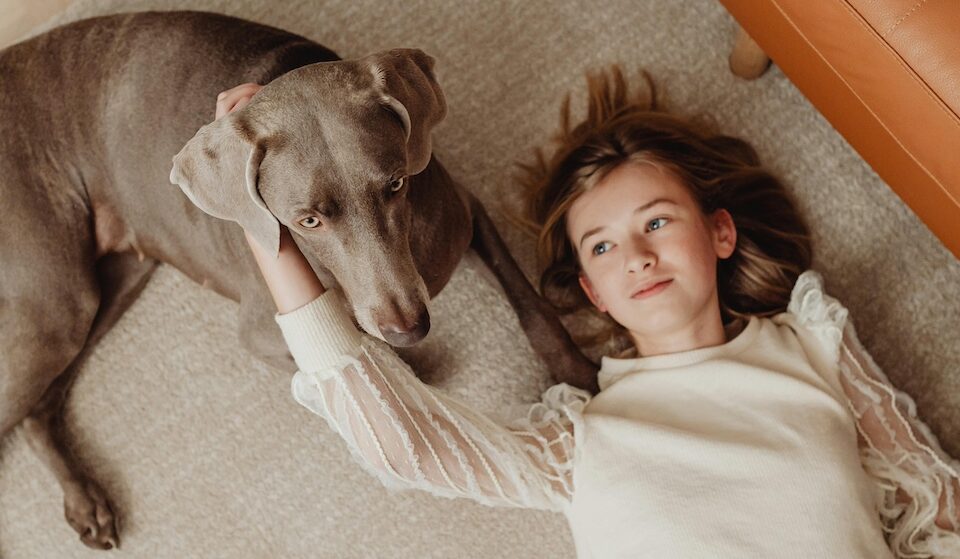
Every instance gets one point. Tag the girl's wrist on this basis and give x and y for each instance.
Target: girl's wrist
(289, 276)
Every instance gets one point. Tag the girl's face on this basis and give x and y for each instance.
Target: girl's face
(648, 257)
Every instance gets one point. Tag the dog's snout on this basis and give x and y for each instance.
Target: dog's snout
(401, 332)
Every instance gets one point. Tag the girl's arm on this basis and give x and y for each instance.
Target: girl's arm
(916, 482)
(406, 433)
(921, 485)
(291, 280)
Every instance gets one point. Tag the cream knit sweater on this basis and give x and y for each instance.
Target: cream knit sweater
(746, 449)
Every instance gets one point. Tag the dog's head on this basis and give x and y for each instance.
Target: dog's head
(327, 150)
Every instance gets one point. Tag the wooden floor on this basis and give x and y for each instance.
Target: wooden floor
(17, 17)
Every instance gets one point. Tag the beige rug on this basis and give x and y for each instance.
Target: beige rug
(204, 451)
(21, 16)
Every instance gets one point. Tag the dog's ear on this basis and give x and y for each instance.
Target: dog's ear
(218, 170)
(404, 81)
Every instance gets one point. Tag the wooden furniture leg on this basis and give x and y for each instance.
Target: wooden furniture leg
(747, 59)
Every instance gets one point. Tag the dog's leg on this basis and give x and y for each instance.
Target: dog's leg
(49, 297)
(547, 335)
(121, 277)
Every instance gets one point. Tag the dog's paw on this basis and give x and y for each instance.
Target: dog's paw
(87, 510)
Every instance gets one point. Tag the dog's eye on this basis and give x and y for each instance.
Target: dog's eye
(397, 185)
(310, 222)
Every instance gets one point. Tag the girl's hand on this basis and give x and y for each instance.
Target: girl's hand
(235, 98)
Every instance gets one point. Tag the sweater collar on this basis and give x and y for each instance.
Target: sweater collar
(613, 369)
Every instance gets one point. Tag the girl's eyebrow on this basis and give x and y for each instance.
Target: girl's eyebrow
(638, 209)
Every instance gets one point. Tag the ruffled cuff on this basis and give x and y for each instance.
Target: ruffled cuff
(822, 314)
(320, 332)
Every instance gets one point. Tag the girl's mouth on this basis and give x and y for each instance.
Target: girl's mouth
(653, 290)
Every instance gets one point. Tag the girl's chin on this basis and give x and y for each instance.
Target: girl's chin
(654, 327)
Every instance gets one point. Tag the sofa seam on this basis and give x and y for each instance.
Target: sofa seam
(903, 17)
(882, 123)
(896, 55)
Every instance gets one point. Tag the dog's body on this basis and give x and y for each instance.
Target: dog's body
(93, 112)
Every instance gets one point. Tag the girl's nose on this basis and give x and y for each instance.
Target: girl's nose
(640, 257)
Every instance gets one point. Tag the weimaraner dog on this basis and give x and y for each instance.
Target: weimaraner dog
(338, 151)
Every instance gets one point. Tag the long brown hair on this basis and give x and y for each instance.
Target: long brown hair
(773, 241)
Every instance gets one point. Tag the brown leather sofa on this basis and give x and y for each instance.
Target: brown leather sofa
(886, 74)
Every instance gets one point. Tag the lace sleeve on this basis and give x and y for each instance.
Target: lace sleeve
(918, 482)
(918, 489)
(413, 436)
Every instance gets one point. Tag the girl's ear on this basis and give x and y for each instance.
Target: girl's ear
(725, 233)
(591, 294)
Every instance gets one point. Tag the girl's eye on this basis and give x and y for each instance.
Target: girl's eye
(310, 222)
(397, 185)
(598, 245)
(656, 220)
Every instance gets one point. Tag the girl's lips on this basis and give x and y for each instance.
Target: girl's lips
(653, 290)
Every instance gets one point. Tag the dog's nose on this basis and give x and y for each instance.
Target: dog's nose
(399, 333)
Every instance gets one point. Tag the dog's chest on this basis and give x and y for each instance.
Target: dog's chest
(111, 234)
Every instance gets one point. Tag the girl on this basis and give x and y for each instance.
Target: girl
(746, 421)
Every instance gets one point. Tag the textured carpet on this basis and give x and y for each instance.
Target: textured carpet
(202, 448)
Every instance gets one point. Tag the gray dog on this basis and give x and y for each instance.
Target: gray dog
(337, 151)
